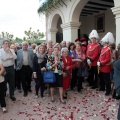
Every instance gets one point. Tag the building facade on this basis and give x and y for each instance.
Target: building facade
(71, 19)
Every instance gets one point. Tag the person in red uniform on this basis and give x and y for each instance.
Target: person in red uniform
(67, 70)
(105, 65)
(93, 51)
(84, 44)
(77, 40)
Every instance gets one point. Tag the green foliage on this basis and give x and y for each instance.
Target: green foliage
(33, 35)
(47, 5)
(18, 40)
(7, 35)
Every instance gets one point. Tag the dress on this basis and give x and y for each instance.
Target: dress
(66, 80)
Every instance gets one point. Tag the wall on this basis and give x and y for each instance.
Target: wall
(88, 23)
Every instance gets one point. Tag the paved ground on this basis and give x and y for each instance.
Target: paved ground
(88, 105)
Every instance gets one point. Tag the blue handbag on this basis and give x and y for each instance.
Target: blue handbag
(49, 77)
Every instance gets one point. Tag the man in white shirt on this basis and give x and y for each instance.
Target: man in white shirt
(8, 57)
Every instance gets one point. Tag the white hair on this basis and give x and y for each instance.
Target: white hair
(64, 49)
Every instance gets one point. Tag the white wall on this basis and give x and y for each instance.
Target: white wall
(88, 23)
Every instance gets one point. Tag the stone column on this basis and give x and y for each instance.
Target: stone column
(70, 31)
(116, 12)
(52, 34)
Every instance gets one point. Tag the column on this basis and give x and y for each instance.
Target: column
(70, 31)
(116, 12)
(52, 34)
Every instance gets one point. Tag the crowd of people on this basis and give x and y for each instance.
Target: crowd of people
(72, 63)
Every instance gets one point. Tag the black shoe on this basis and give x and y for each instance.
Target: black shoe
(4, 94)
(79, 91)
(94, 87)
(64, 97)
(117, 97)
(13, 98)
(29, 90)
(101, 89)
(25, 94)
(107, 94)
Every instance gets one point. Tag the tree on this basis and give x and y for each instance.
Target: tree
(33, 35)
(4, 35)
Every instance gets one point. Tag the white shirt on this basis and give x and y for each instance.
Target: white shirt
(5, 55)
(25, 58)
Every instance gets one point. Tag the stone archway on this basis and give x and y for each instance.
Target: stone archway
(54, 27)
(77, 8)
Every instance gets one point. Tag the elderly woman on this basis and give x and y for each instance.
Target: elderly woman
(54, 63)
(67, 69)
(39, 64)
(78, 59)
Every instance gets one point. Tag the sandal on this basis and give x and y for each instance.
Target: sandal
(63, 102)
(53, 100)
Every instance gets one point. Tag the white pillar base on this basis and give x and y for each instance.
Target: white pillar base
(70, 31)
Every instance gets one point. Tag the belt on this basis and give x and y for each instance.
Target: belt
(9, 66)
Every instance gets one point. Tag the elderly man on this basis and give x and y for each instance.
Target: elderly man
(49, 44)
(8, 57)
(63, 43)
(25, 65)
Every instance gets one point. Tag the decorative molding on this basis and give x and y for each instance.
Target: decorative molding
(71, 25)
(116, 11)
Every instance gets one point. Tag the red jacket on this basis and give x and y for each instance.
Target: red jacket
(105, 60)
(69, 63)
(93, 51)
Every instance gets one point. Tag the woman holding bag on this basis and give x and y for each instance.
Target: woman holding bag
(67, 70)
(78, 59)
(54, 63)
(39, 64)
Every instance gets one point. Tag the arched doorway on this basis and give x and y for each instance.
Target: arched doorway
(59, 34)
(56, 32)
(94, 14)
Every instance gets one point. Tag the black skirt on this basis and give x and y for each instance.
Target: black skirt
(59, 81)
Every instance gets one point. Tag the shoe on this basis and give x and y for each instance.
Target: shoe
(25, 94)
(30, 90)
(53, 100)
(79, 91)
(36, 96)
(4, 109)
(93, 87)
(107, 94)
(4, 94)
(117, 97)
(64, 97)
(43, 98)
(63, 102)
(13, 98)
(101, 89)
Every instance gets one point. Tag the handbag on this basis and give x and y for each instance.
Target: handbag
(49, 77)
(82, 72)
